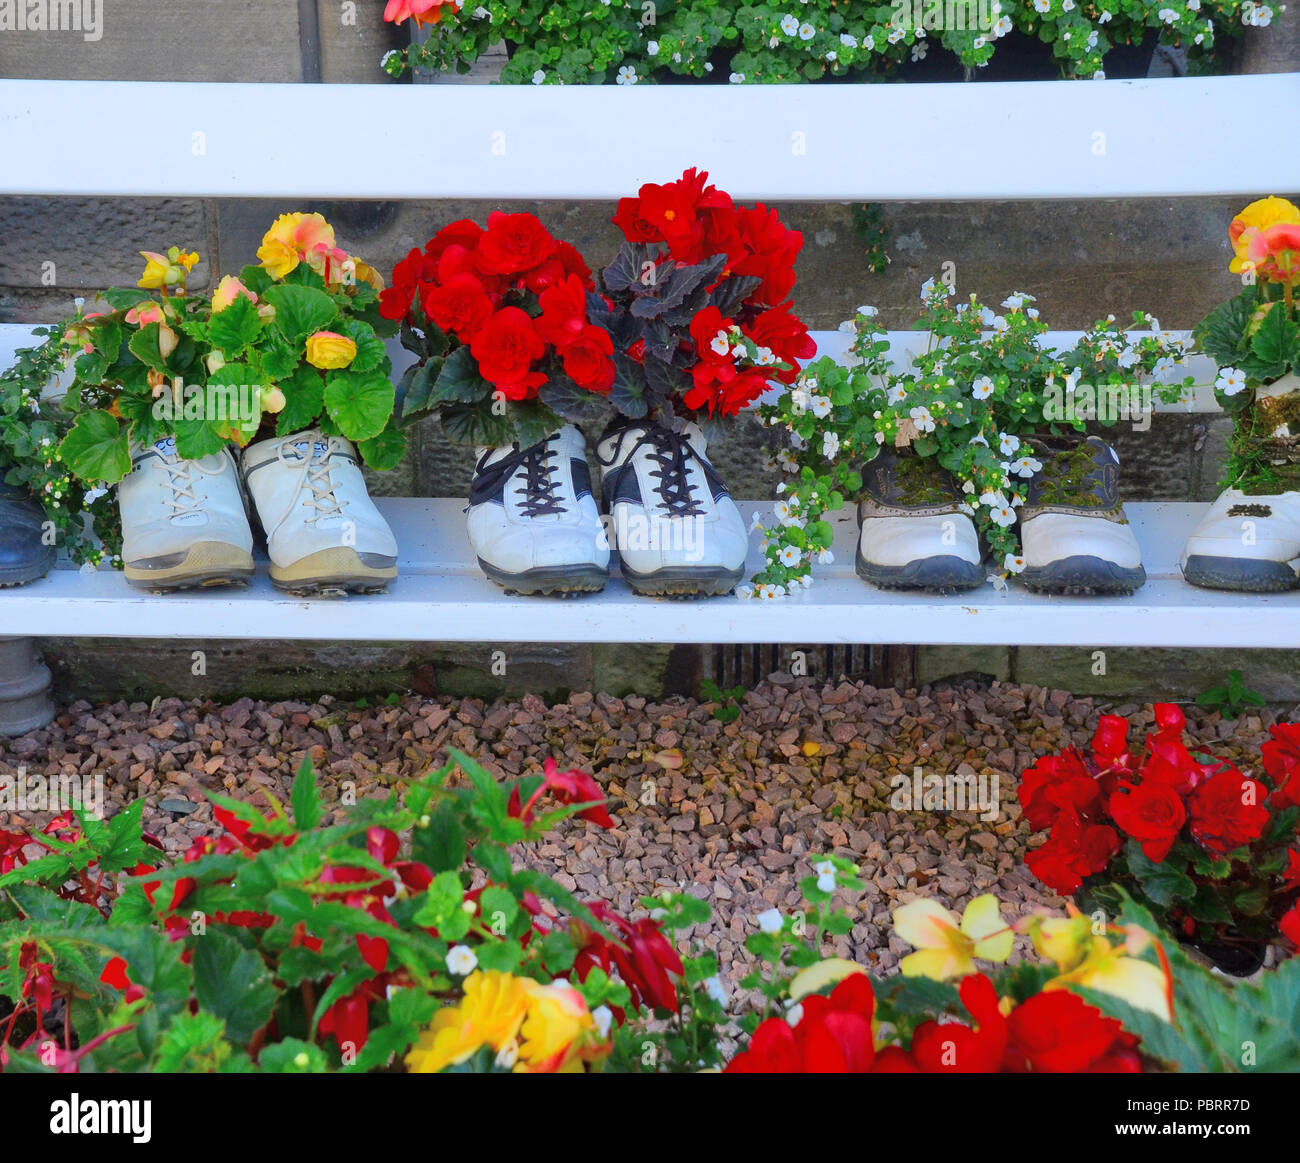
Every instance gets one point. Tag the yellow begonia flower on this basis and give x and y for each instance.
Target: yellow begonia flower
(1109, 969)
(1256, 217)
(817, 977)
(166, 270)
(946, 947)
(329, 349)
(1063, 940)
(291, 237)
(559, 1034)
(367, 274)
(228, 290)
(490, 1014)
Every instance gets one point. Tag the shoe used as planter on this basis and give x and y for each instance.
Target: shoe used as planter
(1246, 543)
(676, 528)
(24, 555)
(323, 532)
(183, 521)
(914, 534)
(533, 522)
(1074, 536)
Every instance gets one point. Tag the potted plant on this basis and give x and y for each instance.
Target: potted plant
(973, 450)
(1209, 850)
(1250, 538)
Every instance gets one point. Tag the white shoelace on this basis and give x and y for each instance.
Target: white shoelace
(182, 487)
(316, 476)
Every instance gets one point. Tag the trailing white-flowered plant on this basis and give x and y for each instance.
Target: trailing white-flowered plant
(983, 386)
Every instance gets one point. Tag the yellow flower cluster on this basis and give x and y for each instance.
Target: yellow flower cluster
(532, 1028)
(297, 238)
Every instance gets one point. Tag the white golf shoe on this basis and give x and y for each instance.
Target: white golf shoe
(183, 521)
(1246, 543)
(677, 530)
(913, 533)
(533, 522)
(1074, 536)
(323, 532)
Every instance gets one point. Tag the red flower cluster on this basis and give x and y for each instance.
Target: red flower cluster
(1053, 1033)
(1153, 797)
(693, 222)
(568, 787)
(513, 295)
(643, 955)
(1282, 765)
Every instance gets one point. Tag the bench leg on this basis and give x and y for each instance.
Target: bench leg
(25, 702)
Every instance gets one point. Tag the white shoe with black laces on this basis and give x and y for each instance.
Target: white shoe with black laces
(677, 530)
(533, 521)
(323, 532)
(183, 521)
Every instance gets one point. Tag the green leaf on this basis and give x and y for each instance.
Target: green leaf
(275, 356)
(441, 844)
(1164, 883)
(442, 904)
(459, 380)
(192, 1044)
(1222, 333)
(233, 983)
(196, 439)
(1274, 344)
(385, 451)
(360, 403)
(234, 328)
(97, 448)
(414, 390)
(305, 799)
(304, 395)
(300, 311)
(371, 352)
(474, 424)
(293, 1056)
(566, 399)
(144, 346)
(628, 391)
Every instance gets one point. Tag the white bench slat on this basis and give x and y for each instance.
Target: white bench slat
(441, 596)
(1183, 137)
(902, 344)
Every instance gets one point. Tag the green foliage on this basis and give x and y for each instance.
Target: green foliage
(728, 708)
(1230, 698)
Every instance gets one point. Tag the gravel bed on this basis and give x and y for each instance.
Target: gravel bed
(735, 813)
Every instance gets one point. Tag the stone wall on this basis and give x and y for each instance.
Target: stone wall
(1081, 259)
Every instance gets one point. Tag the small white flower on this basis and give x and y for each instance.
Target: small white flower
(720, 344)
(919, 49)
(744, 591)
(717, 991)
(821, 406)
(1003, 515)
(1128, 357)
(461, 960)
(789, 556)
(782, 511)
(603, 1016)
(627, 75)
(1105, 17)
(1013, 564)
(993, 499)
(1026, 466)
(831, 55)
(539, 77)
(770, 921)
(1099, 75)
(825, 557)
(922, 419)
(1231, 381)
(848, 41)
(807, 32)
(896, 395)
(979, 42)
(1007, 444)
(737, 78)
(1042, 5)
(982, 388)
(980, 439)
(869, 312)
(652, 48)
(789, 24)
(794, 1013)
(830, 445)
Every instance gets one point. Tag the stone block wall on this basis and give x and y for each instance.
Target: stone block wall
(1081, 259)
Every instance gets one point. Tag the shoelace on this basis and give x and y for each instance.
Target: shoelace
(182, 488)
(672, 452)
(316, 476)
(539, 485)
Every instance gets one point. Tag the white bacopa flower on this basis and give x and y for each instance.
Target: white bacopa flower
(1099, 75)
(789, 556)
(1003, 515)
(896, 395)
(1105, 17)
(1231, 381)
(821, 406)
(794, 1014)
(1042, 5)
(708, 66)
(539, 77)
(979, 42)
(830, 445)
(744, 591)
(825, 557)
(1128, 357)
(627, 75)
(962, 507)
(982, 388)
(869, 43)
(831, 55)
(720, 344)
(797, 441)
(848, 41)
(807, 32)
(1168, 15)
(652, 48)
(1007, 444)
(1026, 466)
(789, 24)
(603, 1016)
(922, 419)
(787, 461)
(737, 78)
(1001, 27)
(880, 438)
(715, 989)
(461, 960)
(869, 312)
(980, 439)
(919, 49)
(826, 882)
(1000, 324)
(1013, 564)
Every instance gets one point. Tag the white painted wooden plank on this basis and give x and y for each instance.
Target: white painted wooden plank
(1054, 139)
(903, 344)
(441, 596)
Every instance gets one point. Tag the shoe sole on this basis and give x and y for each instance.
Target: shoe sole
(335, 572)
(683, 582)
(936, 575)
(205, 564)
(1083, 575)
(560, 580)
(20, 575)
(1240, 574)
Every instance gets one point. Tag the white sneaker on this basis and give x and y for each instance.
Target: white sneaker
(183, 521)
(677, 530)
(533, 522)
(1246, 543)
(323, 531)
(1074, 536)
(914, 535)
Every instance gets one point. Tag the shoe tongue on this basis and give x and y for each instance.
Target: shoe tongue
(166, 447)
(317, 449)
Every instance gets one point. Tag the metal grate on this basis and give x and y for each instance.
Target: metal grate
(749, 664)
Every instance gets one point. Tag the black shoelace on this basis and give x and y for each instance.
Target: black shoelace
(540, 485)
(672, 452)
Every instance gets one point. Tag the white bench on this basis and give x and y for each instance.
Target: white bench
(1109, 139)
